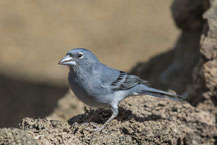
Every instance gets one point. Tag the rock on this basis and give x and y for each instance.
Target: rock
(204, 89)
(142, 120)
(188, 14)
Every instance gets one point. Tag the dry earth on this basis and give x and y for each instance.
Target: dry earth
(142, 120)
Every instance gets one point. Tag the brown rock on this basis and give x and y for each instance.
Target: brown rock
(204, 90)
(142, 120)
(188, 14)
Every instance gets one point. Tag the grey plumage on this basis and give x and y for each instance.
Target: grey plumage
(98, 85)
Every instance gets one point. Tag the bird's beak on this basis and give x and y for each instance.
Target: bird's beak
(67, 60)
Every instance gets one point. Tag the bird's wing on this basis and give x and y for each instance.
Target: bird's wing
(126, 81)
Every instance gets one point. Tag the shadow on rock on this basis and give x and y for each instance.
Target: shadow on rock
(100, 116)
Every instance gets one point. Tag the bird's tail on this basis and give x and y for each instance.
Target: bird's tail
(160, 94)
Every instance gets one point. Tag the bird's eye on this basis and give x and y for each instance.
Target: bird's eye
(80, 55)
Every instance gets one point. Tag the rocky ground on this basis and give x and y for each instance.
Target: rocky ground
(142, 120)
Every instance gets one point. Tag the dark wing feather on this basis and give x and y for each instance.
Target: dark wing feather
(126, 81)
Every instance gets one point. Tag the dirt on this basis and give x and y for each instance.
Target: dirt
(142, 120)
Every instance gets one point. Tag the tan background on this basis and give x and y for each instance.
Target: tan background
(36, 34)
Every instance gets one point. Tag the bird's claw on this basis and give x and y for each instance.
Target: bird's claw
(93, 125)
(96, 129)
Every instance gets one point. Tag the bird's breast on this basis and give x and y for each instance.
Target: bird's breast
(88, 91)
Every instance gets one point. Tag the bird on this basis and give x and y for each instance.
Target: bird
(101, 86)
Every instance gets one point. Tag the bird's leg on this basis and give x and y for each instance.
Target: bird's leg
(114, 114)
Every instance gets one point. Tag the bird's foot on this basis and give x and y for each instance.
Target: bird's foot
(96, 129)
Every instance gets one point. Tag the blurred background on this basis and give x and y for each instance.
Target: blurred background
(35, 35)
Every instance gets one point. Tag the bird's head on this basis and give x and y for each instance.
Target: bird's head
(79, 57)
